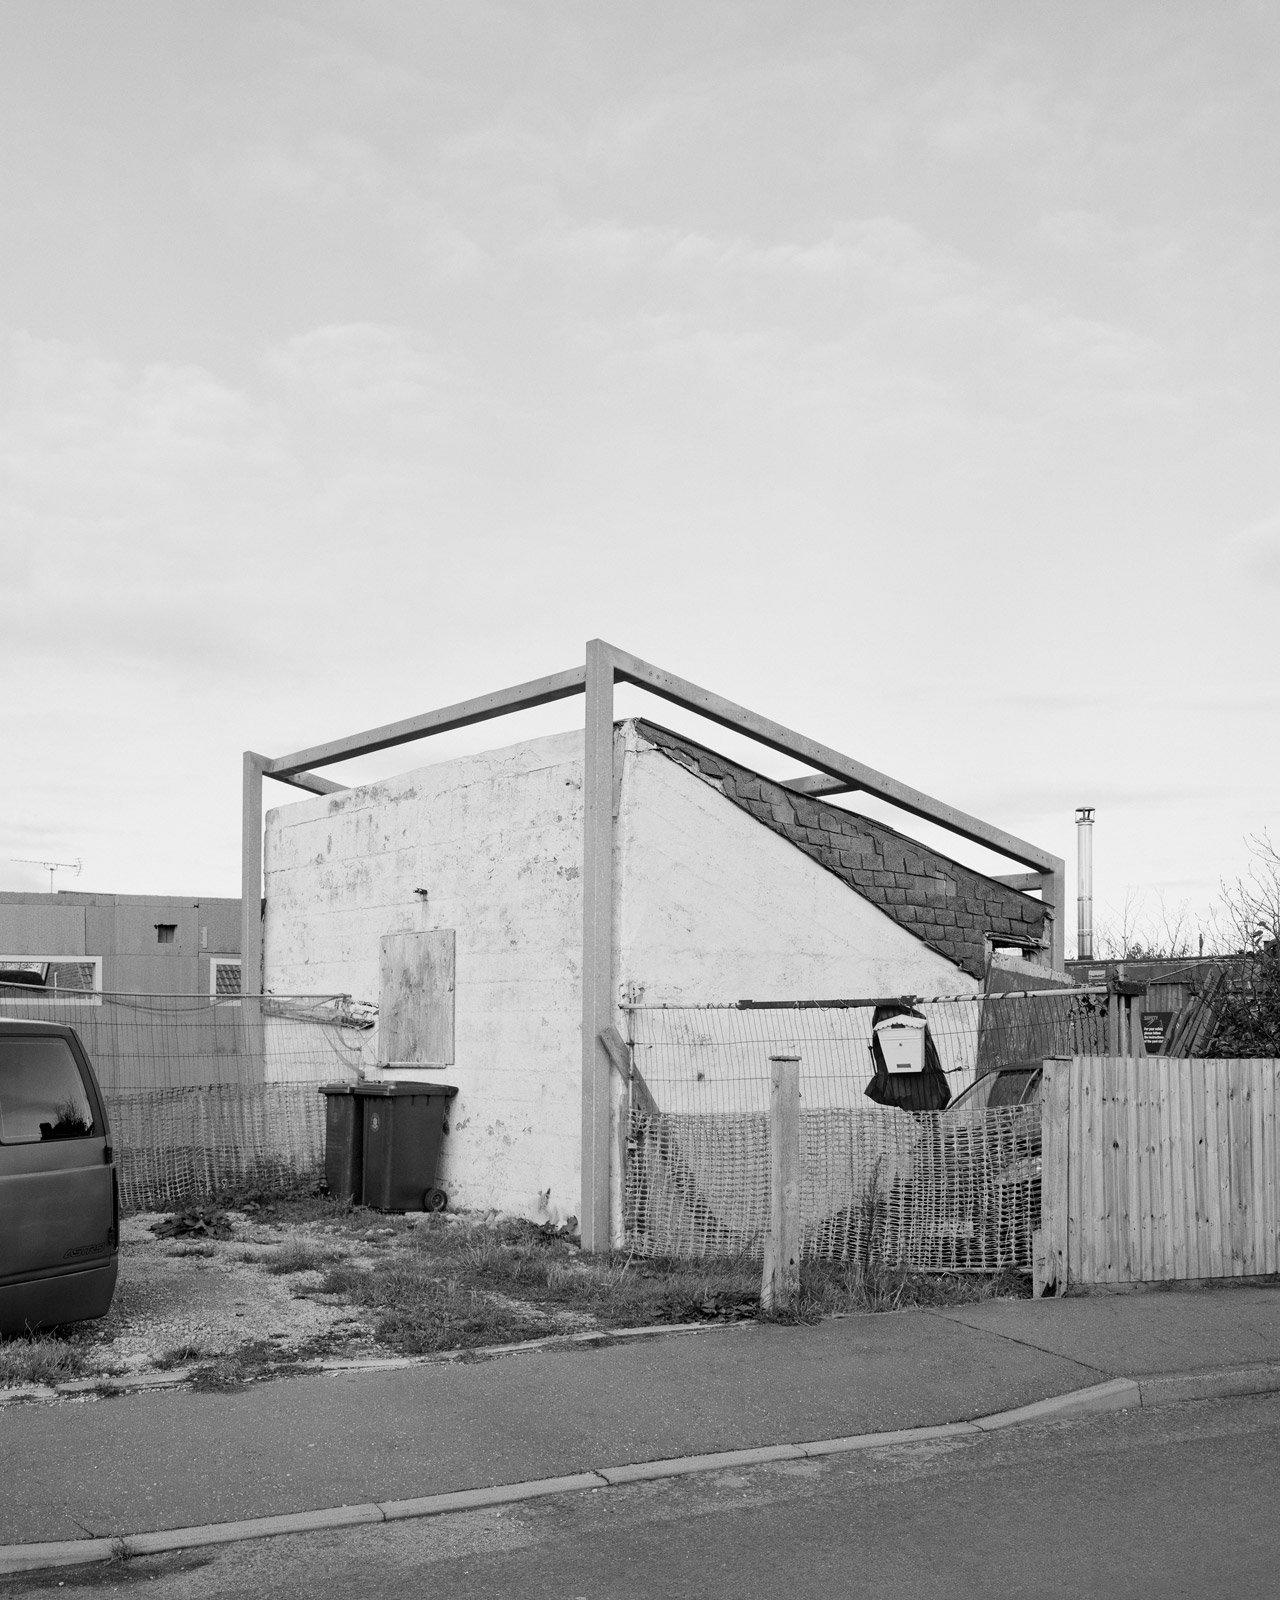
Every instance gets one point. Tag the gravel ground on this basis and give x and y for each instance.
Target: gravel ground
(180, 1293)
(208, 1308)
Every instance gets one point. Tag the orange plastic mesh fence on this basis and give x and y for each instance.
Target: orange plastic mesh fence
(940, 1190)
(206, 1094)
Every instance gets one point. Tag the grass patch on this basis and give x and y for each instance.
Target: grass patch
(614, 1290)
(41, 1358)
(452, 1287)
(297, 1255)
(829, 1287)
(416, 1312)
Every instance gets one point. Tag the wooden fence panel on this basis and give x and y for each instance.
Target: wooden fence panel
(1158, 1169)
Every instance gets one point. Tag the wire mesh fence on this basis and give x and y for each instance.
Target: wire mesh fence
(934, 1190)
(208, 1093)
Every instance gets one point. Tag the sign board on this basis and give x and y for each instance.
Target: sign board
(1155, 1030)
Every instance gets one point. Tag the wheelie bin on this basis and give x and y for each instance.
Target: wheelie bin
(403, 1126)
(343, 1138)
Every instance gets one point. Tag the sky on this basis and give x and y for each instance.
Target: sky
(906, 372)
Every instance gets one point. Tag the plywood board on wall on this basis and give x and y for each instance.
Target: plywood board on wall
(416, 1004)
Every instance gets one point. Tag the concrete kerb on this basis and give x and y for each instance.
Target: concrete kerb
(1114, 1395)
(1212, 1384)
(1117, 1394)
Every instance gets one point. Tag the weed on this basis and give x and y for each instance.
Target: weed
(222, 1374)
(234, 1368)
(417, 1311)
(298, 1255)
(40, 1358)
(835, 1286)
(205, 1222)
(182, 1355)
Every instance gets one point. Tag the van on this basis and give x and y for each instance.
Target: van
(59, 1198)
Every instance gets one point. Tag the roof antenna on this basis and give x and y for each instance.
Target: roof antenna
(73, 867)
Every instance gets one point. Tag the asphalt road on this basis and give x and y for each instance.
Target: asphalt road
(1178, 1501)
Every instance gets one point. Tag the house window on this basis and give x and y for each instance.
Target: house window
(224, 979)
(165, 932)
(68, 979)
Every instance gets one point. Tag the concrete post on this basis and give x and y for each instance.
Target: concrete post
(251, 875)
(598, 999)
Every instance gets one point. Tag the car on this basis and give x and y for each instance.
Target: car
(1004, 1086)
(59, 1194)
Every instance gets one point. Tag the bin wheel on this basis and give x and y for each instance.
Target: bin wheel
(435, 1200)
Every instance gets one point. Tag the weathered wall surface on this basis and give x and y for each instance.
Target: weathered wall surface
(495, 840)
(714, 907)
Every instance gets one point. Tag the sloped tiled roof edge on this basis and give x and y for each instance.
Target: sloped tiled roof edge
(947, 906)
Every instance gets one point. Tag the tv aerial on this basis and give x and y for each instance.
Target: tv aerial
(73, 867)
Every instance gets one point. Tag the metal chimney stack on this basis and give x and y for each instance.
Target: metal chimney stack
(1084, 883)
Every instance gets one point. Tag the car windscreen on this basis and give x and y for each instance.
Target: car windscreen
(1009, 1088)
(42, 1095)
(1005, 1087)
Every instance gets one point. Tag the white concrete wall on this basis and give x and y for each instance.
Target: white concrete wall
(715, 907)
(496, 840)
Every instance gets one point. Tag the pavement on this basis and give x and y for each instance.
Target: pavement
(93, 1477)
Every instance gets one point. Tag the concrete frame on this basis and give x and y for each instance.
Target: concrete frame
(605, 666)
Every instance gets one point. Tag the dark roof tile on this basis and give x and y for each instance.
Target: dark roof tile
(947, 906)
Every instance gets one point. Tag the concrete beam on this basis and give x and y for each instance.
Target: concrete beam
(312, 782)
(520, 697)
(816, 785)
(1020, 880)
(630, 669)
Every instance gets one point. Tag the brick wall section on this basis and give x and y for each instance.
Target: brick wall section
(947, 906)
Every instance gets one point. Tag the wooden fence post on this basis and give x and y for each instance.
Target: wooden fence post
(1049, 1242)
(781, 1286)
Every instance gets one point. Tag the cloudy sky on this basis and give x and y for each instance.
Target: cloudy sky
(907, 372)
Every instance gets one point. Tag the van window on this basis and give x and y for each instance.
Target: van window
(42, 1095)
